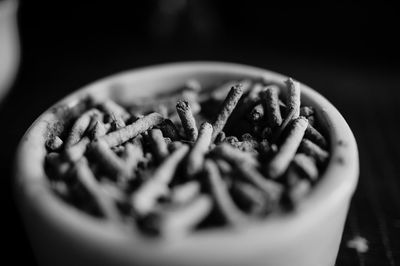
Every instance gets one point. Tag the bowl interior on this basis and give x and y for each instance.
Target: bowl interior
(335, 187)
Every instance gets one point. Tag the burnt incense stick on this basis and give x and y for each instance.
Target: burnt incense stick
(145, 198)
(227, 107)
(222, 198)
(122, 135)
(293, 99)
(187, 119)
(80, 126)
(270, 99)
(196, 156)
(280, 162)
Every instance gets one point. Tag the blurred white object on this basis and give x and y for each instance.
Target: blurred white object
(358, 243)
(9, 45)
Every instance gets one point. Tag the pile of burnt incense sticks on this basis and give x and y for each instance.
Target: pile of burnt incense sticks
(190, 160)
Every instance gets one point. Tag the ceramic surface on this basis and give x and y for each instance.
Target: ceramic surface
(310, 236)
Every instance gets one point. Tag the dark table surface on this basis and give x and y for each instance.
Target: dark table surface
(361, 83)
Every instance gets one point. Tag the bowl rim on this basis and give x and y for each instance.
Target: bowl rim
(341, 173)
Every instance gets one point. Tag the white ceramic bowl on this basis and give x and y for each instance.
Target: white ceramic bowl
(62, 235)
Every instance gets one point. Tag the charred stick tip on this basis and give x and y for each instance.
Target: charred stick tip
(54, 143)
(256, 113)
(306, 111)
(188, 122)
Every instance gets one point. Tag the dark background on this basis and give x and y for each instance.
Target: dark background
(347, 51)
